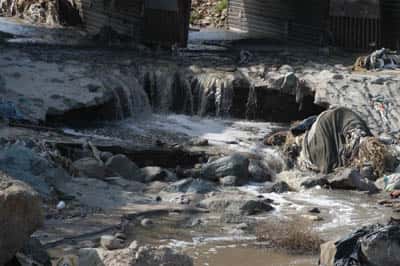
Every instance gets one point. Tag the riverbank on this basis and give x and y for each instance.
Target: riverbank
(171, 151)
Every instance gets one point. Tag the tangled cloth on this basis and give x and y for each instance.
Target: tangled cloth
(333, 140)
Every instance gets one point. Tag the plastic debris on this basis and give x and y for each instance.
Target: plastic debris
(379, 59)
(61, 205)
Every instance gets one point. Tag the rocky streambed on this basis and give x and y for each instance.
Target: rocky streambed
(206, 219)
(140, 160)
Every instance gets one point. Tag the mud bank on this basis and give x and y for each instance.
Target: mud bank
(137, 141)
(76, 85)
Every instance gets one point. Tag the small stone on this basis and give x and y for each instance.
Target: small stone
(278, 187)
(259, 171)
(105, 155)
(314, 210)
(185, 201)
(109, 242)
(196, 222)
(89, 167)
(321, 181)
(313, 218)
(146, 222)
(229, 181)
(155, 173)
(338, 77)
(242, 226)
(69, 260)
(199, 142)
(254, 207)
(124, 167)
(134, 245)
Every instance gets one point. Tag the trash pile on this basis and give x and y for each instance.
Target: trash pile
(49, 12)
(335, 139)
(371, 245)
(379, 59)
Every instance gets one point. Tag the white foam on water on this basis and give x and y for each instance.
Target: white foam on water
(73, 132)
(239, 136)
(196, 241)
(346, 210)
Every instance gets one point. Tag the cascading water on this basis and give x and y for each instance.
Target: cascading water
(141, 91)
(130, 99)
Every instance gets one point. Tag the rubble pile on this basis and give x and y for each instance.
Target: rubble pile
(378, 60)
(209, 13)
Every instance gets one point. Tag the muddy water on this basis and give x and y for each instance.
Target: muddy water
(245, 254)
(208, 245)
(341, 211)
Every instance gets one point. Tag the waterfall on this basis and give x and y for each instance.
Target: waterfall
(130, 99)
(148, 89)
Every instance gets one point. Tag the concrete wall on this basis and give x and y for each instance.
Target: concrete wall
(126, 17)
(391, 23)
(293, 20)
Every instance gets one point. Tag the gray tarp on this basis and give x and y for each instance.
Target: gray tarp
(324, 144)
(373, 245)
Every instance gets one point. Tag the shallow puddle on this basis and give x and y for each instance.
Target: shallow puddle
(243, 254)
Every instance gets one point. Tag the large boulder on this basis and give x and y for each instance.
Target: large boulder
(20, 216)
(311, 182)
(121, 165)
(234, 165)
(374, 245)
(24, 164)
(382, 247)
(33, 253)
(89, 167)
(259, 171)
(277, 187)
(350, 179)
(237, 204)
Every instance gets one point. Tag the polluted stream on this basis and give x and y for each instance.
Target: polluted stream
(341, 211)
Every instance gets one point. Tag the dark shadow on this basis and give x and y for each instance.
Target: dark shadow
(69, 14)
(291, 21)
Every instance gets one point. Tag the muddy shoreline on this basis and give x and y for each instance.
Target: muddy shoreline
(127, 142)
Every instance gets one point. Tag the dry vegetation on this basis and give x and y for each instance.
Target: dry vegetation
(295, 235)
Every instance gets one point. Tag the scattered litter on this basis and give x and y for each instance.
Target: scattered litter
(392, 182)
(61, 205)
(381, 105)
(379, 59)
